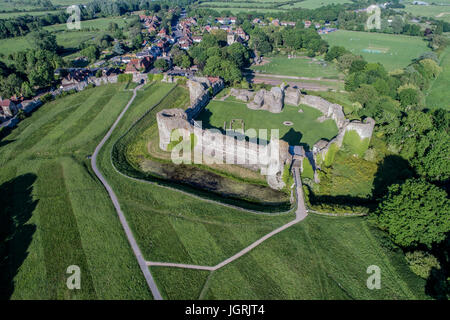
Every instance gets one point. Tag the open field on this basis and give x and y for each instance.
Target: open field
(7, 15)
(300, 67)
(319, 258)
(393, 51)
(431, 11)
(439, 95)
(306, 130)
(100, 23)
(69, 40)
(313, 4)
(66, 215)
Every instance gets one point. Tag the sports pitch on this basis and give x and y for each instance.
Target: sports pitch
(393, 51)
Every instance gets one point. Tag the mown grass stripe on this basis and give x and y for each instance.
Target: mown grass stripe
(60, 236)
(95, 108)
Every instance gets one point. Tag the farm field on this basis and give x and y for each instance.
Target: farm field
(439, 95)
(431, 11)
(305, 129)
(69, 40)
(66, 217)
(393, 51)
(300, 67)
(100, 23)
(314, 4)
(7, 15)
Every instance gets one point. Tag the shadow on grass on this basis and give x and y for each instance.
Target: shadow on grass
(16, 207)
(391, 170)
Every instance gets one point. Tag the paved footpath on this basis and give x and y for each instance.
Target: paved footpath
(137, 252)
(300, 214)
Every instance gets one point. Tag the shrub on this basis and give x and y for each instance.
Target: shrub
(421, 263)
(47, 97)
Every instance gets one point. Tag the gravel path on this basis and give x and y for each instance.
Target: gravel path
(300, 214)
(137, 252)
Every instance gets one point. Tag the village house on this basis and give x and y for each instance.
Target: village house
(8, 108)
(138, 65)
(307, 24)
(288, 23)
(197, 39)
(276, 22)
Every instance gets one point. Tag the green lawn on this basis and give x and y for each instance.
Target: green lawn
(319, 258)
(67, 216)
(300, 67)
(305, 129)
(394, 51)
(100, 23)
(439, 95)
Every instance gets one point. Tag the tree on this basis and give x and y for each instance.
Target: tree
(91, 52)
(415, 213)
(44, 40)
(335, 52)
(397, 24)
(118, 49)
(162, 64)
(10, 86)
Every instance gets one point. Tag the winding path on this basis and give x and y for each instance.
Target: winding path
(300, 214)
(137, 252)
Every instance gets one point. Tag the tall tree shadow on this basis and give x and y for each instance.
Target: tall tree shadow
(292, 137)
(16, 208)
(393, 169)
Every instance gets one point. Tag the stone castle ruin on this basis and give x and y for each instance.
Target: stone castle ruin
(270, 158)
(275, 99)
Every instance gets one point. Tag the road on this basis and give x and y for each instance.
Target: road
(300, 214)
(137, 252)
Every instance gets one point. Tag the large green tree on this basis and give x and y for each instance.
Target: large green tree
(415, 213)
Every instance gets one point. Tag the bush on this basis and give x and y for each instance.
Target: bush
(46, 98)
(421, 263)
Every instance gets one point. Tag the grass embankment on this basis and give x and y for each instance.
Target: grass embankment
(66, 217)
(138, 155)
(175, 227)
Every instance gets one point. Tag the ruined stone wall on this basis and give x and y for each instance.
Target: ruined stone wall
(215, 145)
(330, 110)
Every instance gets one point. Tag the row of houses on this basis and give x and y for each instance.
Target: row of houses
(10, 107)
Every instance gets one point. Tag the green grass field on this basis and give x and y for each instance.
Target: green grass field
(300, 67)
(314, 4)
(395, 51)
(431, 11)
(439, 95)
(305, 129)
(7, 15)
(69, 218)
(100, 23)
(319, 258)
(68, 40)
